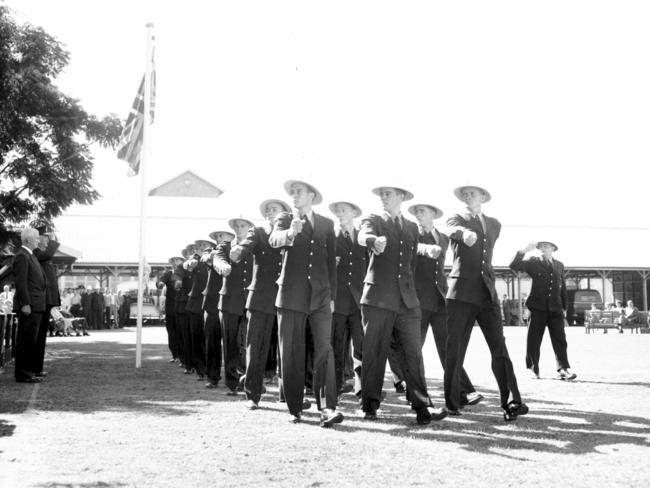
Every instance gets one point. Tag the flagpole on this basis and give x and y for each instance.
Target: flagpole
(143, 196)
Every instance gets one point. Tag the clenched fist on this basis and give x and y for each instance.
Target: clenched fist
(469, 238)
(379, 245)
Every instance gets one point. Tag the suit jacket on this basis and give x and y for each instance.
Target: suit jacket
(195, 295)
(548, 291)
(267, 262)
(472, 269)
(308, 275)
(390, 280)
(52, 296)
(167, 279)
(212, 288)
(430, 280)
(183, 285)
(30, 281)
(350, 271)
(233, 291)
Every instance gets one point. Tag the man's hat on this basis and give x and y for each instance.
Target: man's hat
(204, 242)
(175, 258)
(356, 208)
(555, 248)
(407, 194)
(231, 222)
(437, 212)
(263, 205)
(318, 198)
(458, 192)
(215, 235)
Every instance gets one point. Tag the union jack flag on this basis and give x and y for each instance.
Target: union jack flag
(129, 148)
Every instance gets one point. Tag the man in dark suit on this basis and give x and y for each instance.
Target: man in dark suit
(307, 291)
(232, 303)
(29, 305)
(211, 309)
(167, 280)
(262, 293)
(183, 285)
(351, 266)
(199, 270)
(431, 287)
(390, 309)
(472, 297)
(547, 304)
(44, 253)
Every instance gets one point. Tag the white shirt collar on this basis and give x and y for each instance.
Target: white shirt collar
(27, 249)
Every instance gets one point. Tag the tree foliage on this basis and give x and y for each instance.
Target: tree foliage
(45, 136)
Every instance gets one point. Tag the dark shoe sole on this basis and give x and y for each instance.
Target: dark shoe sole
(330, 421)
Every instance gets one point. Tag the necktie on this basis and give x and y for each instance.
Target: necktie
(307, 224)
(346, 234)
(398, 224)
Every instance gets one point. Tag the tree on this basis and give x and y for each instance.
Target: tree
(45, 136)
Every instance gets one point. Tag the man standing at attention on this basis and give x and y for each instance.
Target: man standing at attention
(431, 287)
(472, 297)
(390, 307)
(547, 304)
(307, 290)
(29, 305)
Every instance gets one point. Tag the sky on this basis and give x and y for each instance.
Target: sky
(545, 104)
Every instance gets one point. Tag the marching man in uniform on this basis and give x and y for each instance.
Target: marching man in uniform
(390, 307)
(472, 297)
(307, 290)
(547, 303)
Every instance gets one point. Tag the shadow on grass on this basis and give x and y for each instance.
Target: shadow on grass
(88, 377)
(97, 484)
(550, 427)
(6, 429)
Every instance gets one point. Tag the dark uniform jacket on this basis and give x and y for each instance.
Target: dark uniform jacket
(52, 296)
(30, 282)
(267, 263)
(350, 271)
(212, 288)
(548, 291)
(472, 268)
(195, 295)
(430, 280)
(233, 291)
(390, 280)
(167, 279)
(308, 276)
(183, 285)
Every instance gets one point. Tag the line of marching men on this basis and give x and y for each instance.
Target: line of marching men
(382, 285)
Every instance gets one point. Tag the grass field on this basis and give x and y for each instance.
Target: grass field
(98, 422)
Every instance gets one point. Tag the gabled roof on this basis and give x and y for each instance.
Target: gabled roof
(186, 184)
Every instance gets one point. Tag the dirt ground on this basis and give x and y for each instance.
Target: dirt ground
(98, 422)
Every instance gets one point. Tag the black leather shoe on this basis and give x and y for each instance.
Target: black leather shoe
(330, 417)
(346, 388)
(29, 380)
(427, 414)
(399, 387)
(472, 399)
(513, 410)
(306, 404)
(453, 412)
(295, 419)
(372, 415)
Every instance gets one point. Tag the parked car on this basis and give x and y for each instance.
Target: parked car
(579, 302)
(151, 311)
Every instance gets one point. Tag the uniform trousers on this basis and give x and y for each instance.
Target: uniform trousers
(539, 319)
(39, 355)
(26, 338)
(380, 327)
(344, 328)
(197, 337)
(460, 322)
(258, 341)
(213, 347)
(438, 323)
(291, 331)
(231, 325)
(185, 348)
(170, 325)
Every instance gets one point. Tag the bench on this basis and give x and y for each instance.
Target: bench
(606, 320)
